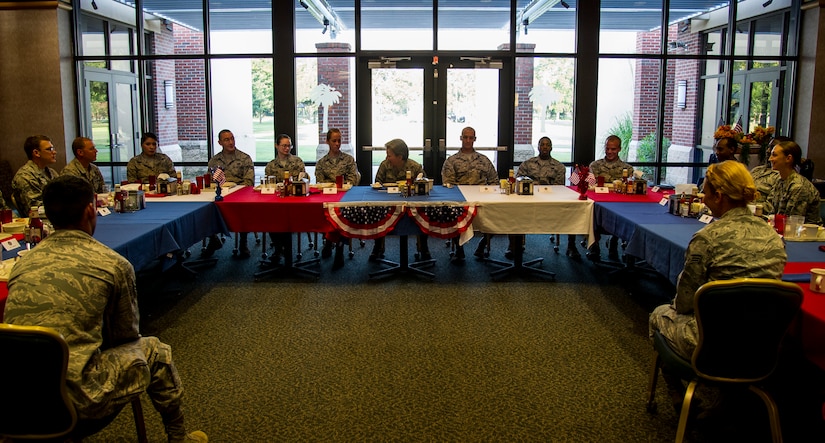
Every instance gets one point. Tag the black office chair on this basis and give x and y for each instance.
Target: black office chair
(35, 404)
(741, 326)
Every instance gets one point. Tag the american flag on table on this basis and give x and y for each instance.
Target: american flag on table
(365, 222)
(574, 177)
(218, 176)
(443, 221)
(737, 128)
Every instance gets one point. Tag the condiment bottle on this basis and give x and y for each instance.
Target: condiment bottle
(287, 184)
(511, 179)
(35, 226)
(408, 184)
(118, 197)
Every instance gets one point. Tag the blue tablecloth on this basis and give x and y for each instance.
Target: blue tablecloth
(158, 230)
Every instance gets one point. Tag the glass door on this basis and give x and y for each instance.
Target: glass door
(111, 101)
(427, 103)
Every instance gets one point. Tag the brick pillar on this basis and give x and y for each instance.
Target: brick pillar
(189, 87)
(335, 73)
(523, 116)
(166, 125)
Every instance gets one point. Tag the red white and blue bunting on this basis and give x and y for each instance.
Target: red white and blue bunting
(443, 221)
(364, 222)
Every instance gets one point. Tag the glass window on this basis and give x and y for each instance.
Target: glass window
(630, 29)
(472, 100)
(713, 46)
(322, 26)
(245, 28)
(397, 110)
(542, 29)
(544, 106)
(488, 30)
(121, 43)
(188, 121)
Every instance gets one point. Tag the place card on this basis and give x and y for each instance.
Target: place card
(602, 190)
(268, 190)
(545, 189)
(664, 201)
(489, 189)
(331, 190)
(707, 218)
(655, 189)
(103, 212)
(10, 244)
(393, 190)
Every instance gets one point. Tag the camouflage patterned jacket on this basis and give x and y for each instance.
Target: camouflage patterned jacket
(468, 169)
(796, 196)
(735, 246)
(142, 166)
(765, 178)
(293, 164)
(327, 168)
(543, 172)
(91, 299)
(237, 166)
(610, 170)
(28, 184)
(387, 174)
(93, 175)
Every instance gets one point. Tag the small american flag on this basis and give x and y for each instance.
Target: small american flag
(579, 171)
(218, 176)
(737, 128)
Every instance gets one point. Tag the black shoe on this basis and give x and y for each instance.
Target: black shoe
(244, 252)
(338, 261)
(573, 253)
(213, 245)
(613, 255)
(423, 256)
(326, 251)
(459, 252)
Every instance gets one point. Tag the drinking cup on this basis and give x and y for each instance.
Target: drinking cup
(207, 180)
(792, 225)
(752, 208)
(810, 230)
(600, 181)
(779, 223)
(818, 280)
(339, 181)
(7, 215)
(199, 180)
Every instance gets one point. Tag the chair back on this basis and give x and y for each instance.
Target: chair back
(34, 402)
(741, 326)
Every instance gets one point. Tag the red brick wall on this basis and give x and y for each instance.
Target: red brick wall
(189, 86)
(166, 125)
(685, 120)
(335, 73)
(523, 124)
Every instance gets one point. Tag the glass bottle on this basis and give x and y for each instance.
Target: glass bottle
(409, 184)
(35, 226)
(287, 184)
(511, 179)
(118, 199)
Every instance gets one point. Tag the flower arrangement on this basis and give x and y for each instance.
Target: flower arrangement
(726, 131)
(760, 136)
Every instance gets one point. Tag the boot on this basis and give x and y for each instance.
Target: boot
(613, 248)
(214, 244)
(572, 251)
(338, 261)
(480, 248)
(243, 249)
(377, 250)
(176, 431)
(423, 248)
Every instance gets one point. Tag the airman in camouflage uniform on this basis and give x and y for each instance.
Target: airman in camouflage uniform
(765, 179)
(610, 167)
(91, 299)
(387, 173)
(792, 194)
(81, 166)
(737, 245)
(335, 162)
(284, 160)
(546, 170)
(29, 181)
(468, 167)
(149, 163)
(239, 169)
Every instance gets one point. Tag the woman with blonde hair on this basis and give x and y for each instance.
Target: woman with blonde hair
(736, 245)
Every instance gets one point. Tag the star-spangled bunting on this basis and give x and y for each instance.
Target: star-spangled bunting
(365, 222)
(443, 221)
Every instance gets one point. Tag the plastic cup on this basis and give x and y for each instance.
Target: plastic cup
(792, 225)
(6, 216)
(779, 223)
(339, 181)
(199, 180)
(207, 180)
(600, 181)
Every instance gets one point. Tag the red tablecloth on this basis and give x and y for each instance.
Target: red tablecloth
(246, 210)
(812, 323)
(653, 197)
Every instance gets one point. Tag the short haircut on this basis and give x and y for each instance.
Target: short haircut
(729, 141)
(65, 199)
(791, 148)
(281, 137)
(613, 137)
(148, 135)
(33, 143)
(80, 143)
(333, 131)
(732, 179)
(548, 141)
(222, 131)
(399, 148)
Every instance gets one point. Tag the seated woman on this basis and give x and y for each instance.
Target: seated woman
(284, 161)
(792, 194)
(149, 163)
(393, 169)
(737, 245)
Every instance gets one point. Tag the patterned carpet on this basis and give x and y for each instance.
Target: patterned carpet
(455, 358)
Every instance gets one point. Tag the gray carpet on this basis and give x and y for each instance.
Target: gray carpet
(456, 358)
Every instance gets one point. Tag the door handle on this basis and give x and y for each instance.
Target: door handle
(442, 145)
(428, 144)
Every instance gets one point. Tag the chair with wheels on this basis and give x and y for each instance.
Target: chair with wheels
(741, 324)
(36, 404)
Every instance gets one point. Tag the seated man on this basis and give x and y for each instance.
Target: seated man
(611, 168)
(393, 169)
(92, 302)
(29, 181)
(85, 153)
(737, 245)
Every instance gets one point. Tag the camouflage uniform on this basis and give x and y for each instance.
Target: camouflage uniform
(293, 164)
(93, 175)
(237, 166)
(388, 174)
(468, 169)
(796, 196)
(610, 170)
(91, 299)
(141, 167)
(765, 179)
(544, 172)
(28, 184)
(327, 168)
(735, 246)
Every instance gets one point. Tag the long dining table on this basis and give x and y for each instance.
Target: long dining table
(661, 239)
